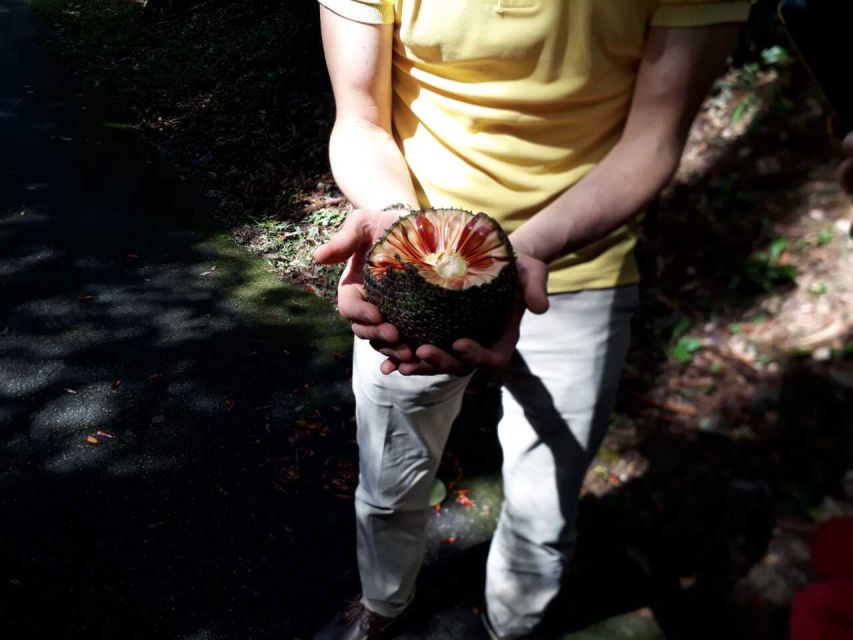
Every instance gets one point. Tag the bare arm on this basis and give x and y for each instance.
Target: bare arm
(366, 162)
(676, 72)
(367, 165)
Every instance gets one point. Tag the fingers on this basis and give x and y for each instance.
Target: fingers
(477, 356)
(434, 360)
(533, 275)
(353, 307)
(388, 367)
(398, 351)
(352, 238)
(380, 334)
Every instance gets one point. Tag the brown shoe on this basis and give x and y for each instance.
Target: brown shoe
(357, 622)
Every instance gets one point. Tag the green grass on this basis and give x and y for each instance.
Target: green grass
(628, 626)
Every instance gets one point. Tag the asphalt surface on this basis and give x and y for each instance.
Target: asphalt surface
(118, 314)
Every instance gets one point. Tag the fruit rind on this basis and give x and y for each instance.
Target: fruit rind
(426, 313)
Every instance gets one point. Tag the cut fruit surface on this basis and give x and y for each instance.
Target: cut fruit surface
(451, 248)
(443, 274)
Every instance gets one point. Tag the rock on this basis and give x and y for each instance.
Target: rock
(822, 354)
(843, 226)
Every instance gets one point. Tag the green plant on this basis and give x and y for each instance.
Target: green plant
(765, 270)
(327, 217)
(818, 288)
(825, 235)
(685, 348)
(749, 103)
(775, 55)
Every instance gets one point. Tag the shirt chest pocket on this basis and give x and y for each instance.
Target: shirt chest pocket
(458, 31)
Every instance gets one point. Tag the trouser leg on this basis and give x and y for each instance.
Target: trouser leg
(403, 424)
(557, 400)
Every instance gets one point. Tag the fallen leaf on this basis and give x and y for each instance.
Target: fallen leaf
(156, 377)
(448, 540)
(116, 384)
(85, 298)
(70, 391)
(105, 434)
(158, 419)
(92, 440)
(465, 501)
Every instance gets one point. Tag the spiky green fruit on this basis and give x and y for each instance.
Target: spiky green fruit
(443, 274)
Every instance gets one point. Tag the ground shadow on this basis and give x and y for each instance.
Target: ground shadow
(175, 437)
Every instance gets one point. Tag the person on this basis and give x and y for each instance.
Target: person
(845, 172)
(562, 120)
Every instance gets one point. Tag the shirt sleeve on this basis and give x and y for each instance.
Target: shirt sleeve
(369, 11)
(699, 13)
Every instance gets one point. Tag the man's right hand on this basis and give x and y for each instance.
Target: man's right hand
(845, 173)
(360, 230)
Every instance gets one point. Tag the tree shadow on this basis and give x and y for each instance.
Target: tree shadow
(175, 435)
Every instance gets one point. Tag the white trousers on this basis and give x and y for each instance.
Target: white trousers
(557, 398)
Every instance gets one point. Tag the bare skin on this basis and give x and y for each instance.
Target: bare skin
(677, 69)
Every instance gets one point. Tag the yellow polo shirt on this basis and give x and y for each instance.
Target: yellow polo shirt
(501, 105)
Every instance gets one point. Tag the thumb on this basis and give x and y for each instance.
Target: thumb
(351, 239)
(534, 278)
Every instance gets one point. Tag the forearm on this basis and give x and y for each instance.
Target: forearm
(616, 190)
(679, 66)
(368, 166)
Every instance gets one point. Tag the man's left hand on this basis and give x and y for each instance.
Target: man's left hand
(469, 355)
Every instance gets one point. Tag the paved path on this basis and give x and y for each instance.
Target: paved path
(119, 315)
